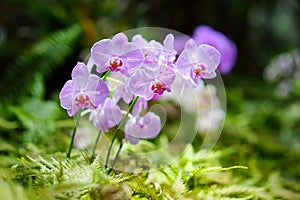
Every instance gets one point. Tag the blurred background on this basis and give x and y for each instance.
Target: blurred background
(42, 40)
(261, 30)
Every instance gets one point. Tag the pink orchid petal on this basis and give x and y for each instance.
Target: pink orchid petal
(80, 74)
(101, 52)
(119, 44)
(132, 140)
(106, 115)
(66, 95)
(145, 127)
(139, 84)
(169, 42)
(209, 55)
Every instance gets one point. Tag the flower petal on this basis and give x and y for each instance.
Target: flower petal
(99, 119)
(183, 64)
(113, 112)
(131, 139)
(66, 95)
(145, 127)
(97, 89)
(139, 84)
(80, 75)
(166, 75)
(209, 55)
(119, 44)
(101, 52)
(169, 42)
(139, 41)
(133, 59)
(190, 45)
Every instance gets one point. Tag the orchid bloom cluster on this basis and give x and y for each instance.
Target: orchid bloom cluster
(146, 70)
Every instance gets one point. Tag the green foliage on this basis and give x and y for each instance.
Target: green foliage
(43, 58)
(57, 177)
(249, 162)
(261, 131)
(13, 191)
(33, 121)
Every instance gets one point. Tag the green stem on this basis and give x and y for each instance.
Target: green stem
(110, 146)
(116, 157)
(204, 81)
(73, 135)
(94, 149)
(119, 129)
(105, 75)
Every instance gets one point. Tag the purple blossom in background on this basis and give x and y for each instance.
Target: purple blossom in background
(206, 35)
(117, 54)
(179, 42)
(227, 48)
(197, 62)
(85, 90)
(106, 115)
(145, 127)
(152, 81)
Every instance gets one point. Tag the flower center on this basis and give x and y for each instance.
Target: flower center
(115, 64)
(158, 88)
(198, 71)
(82, 100)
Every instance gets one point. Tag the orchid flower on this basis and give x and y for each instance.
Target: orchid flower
(85, 90)
(117, 55)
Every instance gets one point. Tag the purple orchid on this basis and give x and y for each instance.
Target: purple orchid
(152, 81)
(227, 48)
(206, 35)
(85, 90)
(117, 54)
(168, 54)
(106, 115)
(122, 91)
(155, 52)
(145, 127)
(197, 62)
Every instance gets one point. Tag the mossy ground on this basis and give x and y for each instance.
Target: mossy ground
(256, 157)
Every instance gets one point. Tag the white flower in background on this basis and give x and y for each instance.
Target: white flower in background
(210, 114)
(284, 71)
(210, 120)
(204, 101)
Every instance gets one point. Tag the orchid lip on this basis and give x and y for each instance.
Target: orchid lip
(198, 70)
(158, 88)
(82, 100)
(115, 64)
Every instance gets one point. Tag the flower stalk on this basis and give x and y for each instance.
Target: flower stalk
(95, 145)
(73, 135)
(119, 129)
